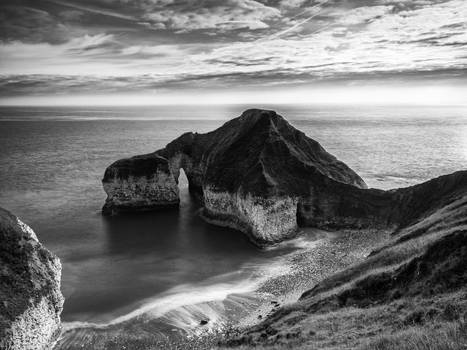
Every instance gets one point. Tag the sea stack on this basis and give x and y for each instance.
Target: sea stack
(256, 173)
(30, 297)
(140, 183)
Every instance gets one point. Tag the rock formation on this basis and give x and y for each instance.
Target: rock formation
(417, 279)
(256, 173)
(140, 183)
(260, 175)
(30, 297)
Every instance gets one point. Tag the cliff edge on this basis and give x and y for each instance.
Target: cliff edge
(409, 292)
(30, 297)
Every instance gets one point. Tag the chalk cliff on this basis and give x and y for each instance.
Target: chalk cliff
(30, 297)
(140, 183)
(256, 173)
(416, 282)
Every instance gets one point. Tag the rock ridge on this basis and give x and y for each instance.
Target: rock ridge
(256, 173)
(416, 278)
(260, 175)
(31, 301)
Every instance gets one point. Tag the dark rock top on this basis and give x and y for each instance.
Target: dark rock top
(144, 165)
(256, 173)
(436, 211)
(29, 288)
(417, 201)
(260, 152)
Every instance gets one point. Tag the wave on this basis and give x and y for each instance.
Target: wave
(187, 304)
(202, 308)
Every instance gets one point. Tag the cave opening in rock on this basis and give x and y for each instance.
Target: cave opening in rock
(186, 200)
(182, 181)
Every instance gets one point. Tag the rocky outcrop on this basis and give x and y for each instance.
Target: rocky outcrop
(260, 175)
(418, 277)
(140, 183)
(428, 252)
(30, 297)
(256, 173)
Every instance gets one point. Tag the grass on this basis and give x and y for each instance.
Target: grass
(436, 336)
(437, 323)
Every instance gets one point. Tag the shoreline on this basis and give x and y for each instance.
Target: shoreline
(338, 250)
(276, 285)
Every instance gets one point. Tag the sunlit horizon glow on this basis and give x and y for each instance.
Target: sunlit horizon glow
(371, 95)
(153, 52)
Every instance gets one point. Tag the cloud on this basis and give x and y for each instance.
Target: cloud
(31, 25)
(389, 42)
(291, 4)
(93, 44)
(71, 15)
(168, 44)
(93, 9)
(226, 15)
(360, 15)
(69, 85)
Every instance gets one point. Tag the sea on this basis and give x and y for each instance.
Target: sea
(52, 160)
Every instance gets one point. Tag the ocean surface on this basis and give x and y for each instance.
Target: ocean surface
(52, 161)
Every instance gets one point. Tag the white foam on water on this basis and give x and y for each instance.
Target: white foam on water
(303, 241)
(183, 306)
(217, 299)
(186, 305)
(185, 295)
(216, 314)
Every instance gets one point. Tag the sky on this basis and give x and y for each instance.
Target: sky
(127, 52)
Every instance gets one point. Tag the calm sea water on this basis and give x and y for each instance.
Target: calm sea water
(52, 161)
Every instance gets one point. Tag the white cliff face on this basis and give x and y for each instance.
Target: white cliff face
(38, 328)
(30, 297)
(159, 190)
(265, 220)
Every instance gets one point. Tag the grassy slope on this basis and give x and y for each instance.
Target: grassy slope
(410, 294)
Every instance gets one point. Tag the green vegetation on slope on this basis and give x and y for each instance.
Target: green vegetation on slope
(409, 294)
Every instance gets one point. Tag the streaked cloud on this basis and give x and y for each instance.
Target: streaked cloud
(31, 25)
(123, 46)
(222, 16)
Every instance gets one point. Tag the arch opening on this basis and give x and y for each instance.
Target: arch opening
(182, 180)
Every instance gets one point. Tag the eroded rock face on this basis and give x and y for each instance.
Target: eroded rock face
(424, 262)
(139, 183)
(256, 173)
(269, 220)
(30, 297)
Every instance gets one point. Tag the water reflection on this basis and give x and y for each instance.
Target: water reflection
(146, 254)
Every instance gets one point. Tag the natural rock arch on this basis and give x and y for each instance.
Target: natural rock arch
(256, 173)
